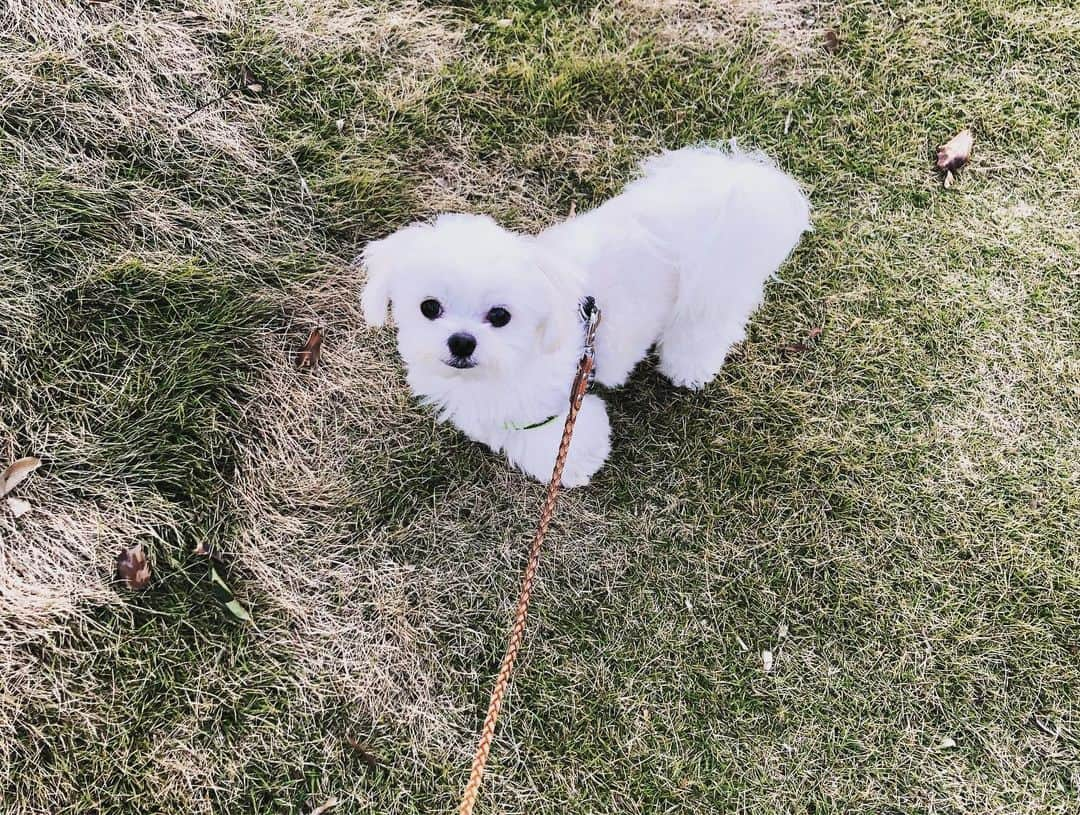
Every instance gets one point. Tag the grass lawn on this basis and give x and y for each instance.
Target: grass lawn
(892, 511)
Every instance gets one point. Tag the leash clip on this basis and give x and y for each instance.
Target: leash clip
(590, 314)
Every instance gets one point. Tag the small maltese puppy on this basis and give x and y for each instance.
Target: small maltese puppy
(489, 323)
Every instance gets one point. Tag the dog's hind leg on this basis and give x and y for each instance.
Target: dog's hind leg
(693, 351)
(724, 262)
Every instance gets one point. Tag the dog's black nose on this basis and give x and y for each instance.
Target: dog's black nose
(461, 344)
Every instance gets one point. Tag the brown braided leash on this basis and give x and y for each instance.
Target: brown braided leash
(517, 632)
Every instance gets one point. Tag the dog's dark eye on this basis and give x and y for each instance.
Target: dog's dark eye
(498, 317)
(431, 308)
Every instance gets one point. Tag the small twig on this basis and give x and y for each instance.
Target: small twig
(1058, 732)
(205, 105)
(1044, 727)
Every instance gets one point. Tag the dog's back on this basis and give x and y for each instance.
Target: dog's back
(681, 256)
(729, 217)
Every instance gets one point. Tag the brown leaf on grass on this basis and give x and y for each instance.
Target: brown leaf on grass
(308, 356)
(954, 154)
(372, 762)
(133, 567)
(802, 347)
(17, 472)
(251, 82)
(831, 41)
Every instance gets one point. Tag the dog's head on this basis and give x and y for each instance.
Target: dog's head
(470, 298)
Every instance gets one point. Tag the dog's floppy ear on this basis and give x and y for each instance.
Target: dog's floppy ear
(557, 328)
(562, 281)
(382, 260)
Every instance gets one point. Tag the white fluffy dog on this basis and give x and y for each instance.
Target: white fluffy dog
(488, 319)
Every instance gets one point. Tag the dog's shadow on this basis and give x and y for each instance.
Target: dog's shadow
(669, 444)
(696, 449)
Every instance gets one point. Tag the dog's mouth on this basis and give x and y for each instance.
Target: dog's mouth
(461, 363)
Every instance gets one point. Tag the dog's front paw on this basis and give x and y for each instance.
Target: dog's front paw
(580, 476)
(534, 451)
(590, 445)
(692, 383)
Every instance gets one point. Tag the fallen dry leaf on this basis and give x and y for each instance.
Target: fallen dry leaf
(831, 41)
(801, 347)
(308, 356)
(362, 753)
(133, 567)
(18, 506)
(251, 82)
(954, 154)
(17, 472)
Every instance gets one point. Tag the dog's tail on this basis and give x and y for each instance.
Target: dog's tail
(747, 179)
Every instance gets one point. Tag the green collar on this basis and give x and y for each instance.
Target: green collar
(533, 426)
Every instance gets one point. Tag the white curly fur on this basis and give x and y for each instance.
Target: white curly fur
(678, 260)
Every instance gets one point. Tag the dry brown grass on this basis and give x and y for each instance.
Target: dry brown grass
(90, 89)
(418, 41)
(787, 31)
(79, 83)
